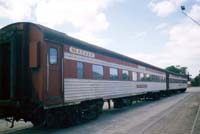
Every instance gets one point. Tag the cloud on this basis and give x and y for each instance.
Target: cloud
(161, 26)
(195, 12)
(86, 17)
(182, 48)
(139, 35)
(165, 7)
(183, 45)
(17, 10)
(91, 38)
(1, 26)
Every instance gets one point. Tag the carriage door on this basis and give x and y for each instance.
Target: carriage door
(54, 74)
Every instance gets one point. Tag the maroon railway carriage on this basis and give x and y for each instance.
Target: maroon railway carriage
(47, 76)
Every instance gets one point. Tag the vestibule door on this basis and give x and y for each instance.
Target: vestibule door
(54, 74)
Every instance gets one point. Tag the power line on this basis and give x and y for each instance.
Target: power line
(195, 21)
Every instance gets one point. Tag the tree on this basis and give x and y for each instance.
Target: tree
(177, 70)
(184, 70)
(196, 81)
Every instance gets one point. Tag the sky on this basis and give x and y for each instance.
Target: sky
(153, 31)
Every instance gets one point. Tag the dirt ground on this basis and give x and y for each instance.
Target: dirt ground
(177, 114)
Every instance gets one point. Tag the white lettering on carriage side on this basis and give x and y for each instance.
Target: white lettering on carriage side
(81, 52)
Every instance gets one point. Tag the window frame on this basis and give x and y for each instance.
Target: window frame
(77, 63)
(147, 77)
(102, 72)
(142, 79)
(133, 76)
(110, 73)
(53, 63)
(127, 75)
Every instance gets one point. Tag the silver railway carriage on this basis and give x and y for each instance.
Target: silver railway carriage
(48, 77)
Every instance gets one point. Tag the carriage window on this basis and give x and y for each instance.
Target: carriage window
(134, 76)
(147, 77)
(53, 55)
(163, 79)
(80, 70)
(113, 74)
(124, 75)
(142, 78)
(97, 72)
